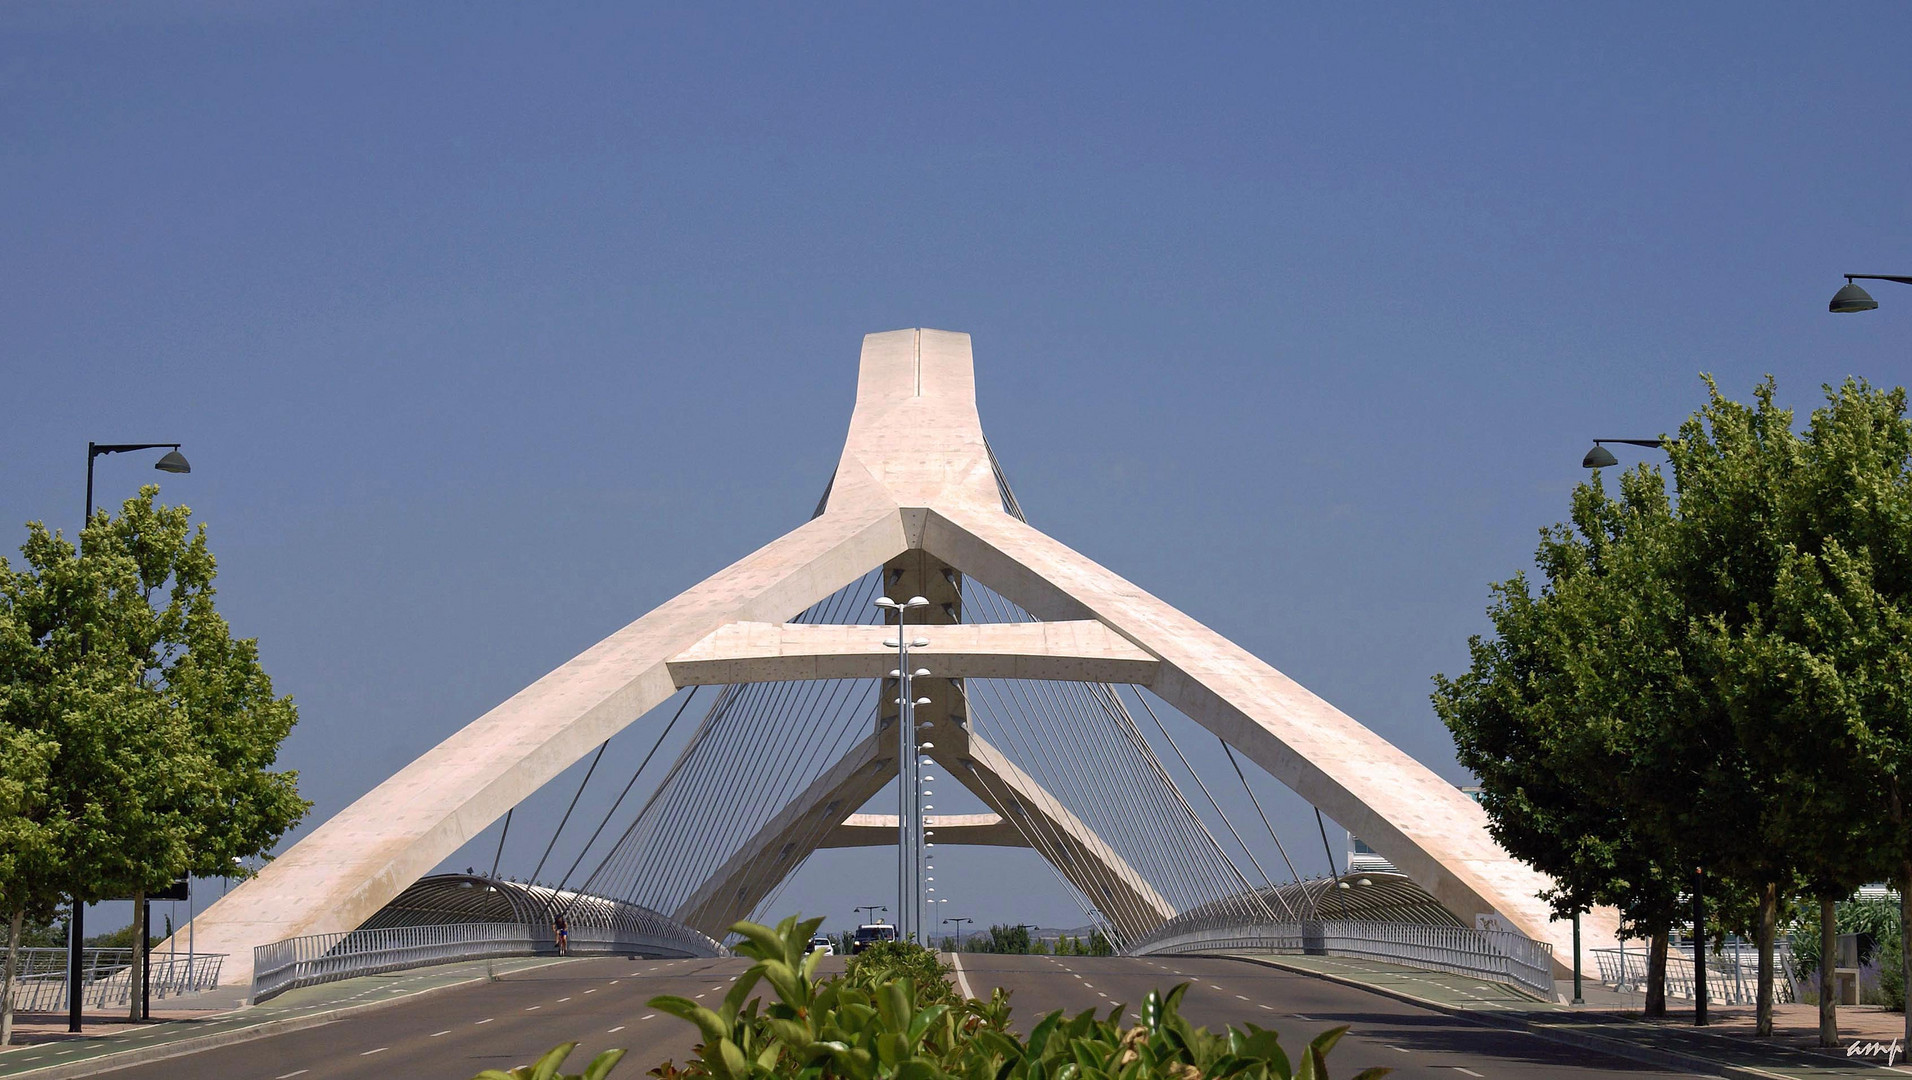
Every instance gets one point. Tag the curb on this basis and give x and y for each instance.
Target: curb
(1583, 1040)
(142, 1055)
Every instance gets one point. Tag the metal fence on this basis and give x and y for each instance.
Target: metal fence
(318, 958)
(1493, 955)
(1732, 974)
(106, 980)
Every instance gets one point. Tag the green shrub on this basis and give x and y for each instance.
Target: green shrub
(843, 1029)
(840, 1029)
(546, 1067)
(887, 961)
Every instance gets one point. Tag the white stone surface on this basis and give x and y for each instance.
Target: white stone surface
(914, 474)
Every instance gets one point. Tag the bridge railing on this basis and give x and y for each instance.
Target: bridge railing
(106, 980)
(1500, 956)
(319, 958)
(1732, 974)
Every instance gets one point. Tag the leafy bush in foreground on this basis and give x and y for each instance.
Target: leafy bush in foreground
(886, 961)
(895, 1028)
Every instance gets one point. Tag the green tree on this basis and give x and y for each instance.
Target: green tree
(165, 728)
(1548, 715)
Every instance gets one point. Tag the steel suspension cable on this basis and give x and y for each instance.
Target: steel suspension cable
(606, 820)
(1263, 814)
(567, 810)
(1218, 810)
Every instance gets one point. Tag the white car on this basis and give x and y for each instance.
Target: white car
(822, 945)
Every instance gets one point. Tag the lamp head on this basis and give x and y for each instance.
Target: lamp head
(916, 601)
(885, 602)
(1851, 298)
(175, 462)
(1598, 458)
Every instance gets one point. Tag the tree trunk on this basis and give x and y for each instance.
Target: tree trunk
(1656, 973)
(1905, 939)
(1828, 1001)
(134, 973)
(6, 983)
(1768, 926)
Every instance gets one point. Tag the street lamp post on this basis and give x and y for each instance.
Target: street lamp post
(909, 808)
(872, 909)
(171, 462)
(961, 937)
(1597, 458)
(1851, 298)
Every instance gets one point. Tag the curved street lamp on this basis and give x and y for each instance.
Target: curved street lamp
(1851, 298)
(171, 462)
(1600, 457)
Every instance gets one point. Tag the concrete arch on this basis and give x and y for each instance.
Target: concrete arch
(915, 481)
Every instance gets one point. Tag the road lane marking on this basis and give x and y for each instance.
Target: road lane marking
(1469, 1072)
(615, 1030)
(290, 1075)
(614, 982)
(1241, 997)
(563, 999)
(486, 1020)
(533, 1008)
(962, 980)
(700, 997)
(1270, 1008)
(380, 1050)
(436, 1034)
(1213, 985)
(592, 990)
(647, 1016)
(1298, 1016)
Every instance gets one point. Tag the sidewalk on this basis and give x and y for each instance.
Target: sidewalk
(1610, 1022)
(44, 1049)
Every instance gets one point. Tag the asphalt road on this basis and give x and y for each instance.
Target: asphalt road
(601, 1003)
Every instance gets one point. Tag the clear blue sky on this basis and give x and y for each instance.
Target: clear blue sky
(489, 327)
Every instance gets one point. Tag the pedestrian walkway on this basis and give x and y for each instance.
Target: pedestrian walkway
(1610, 1022)
(46, 1048)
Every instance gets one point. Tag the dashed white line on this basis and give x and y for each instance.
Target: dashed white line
(615, 1030)
(436, 1034)
(1241, 997)
(564, 999)
(486, 1020)
(647, 1016)
(1469, 1072)
(380, 1050)
(1270, 1008)
(592, 990)
(290, 1075)
(700, 997)
(1298, 1016)
(533, 1008)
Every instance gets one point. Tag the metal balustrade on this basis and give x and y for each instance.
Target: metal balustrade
(40, 984)
(1493, 955)
(318, 958)
(1732, 974)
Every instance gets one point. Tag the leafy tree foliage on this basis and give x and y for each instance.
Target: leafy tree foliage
(1721, 681)
(137, 735)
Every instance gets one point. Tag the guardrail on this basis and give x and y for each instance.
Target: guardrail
(1732, 974)
(40, 985)
(318, 958)
(1494, 955)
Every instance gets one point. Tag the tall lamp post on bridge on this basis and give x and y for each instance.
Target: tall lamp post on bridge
(909, 810)
(171, 462)
(1598, 458)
